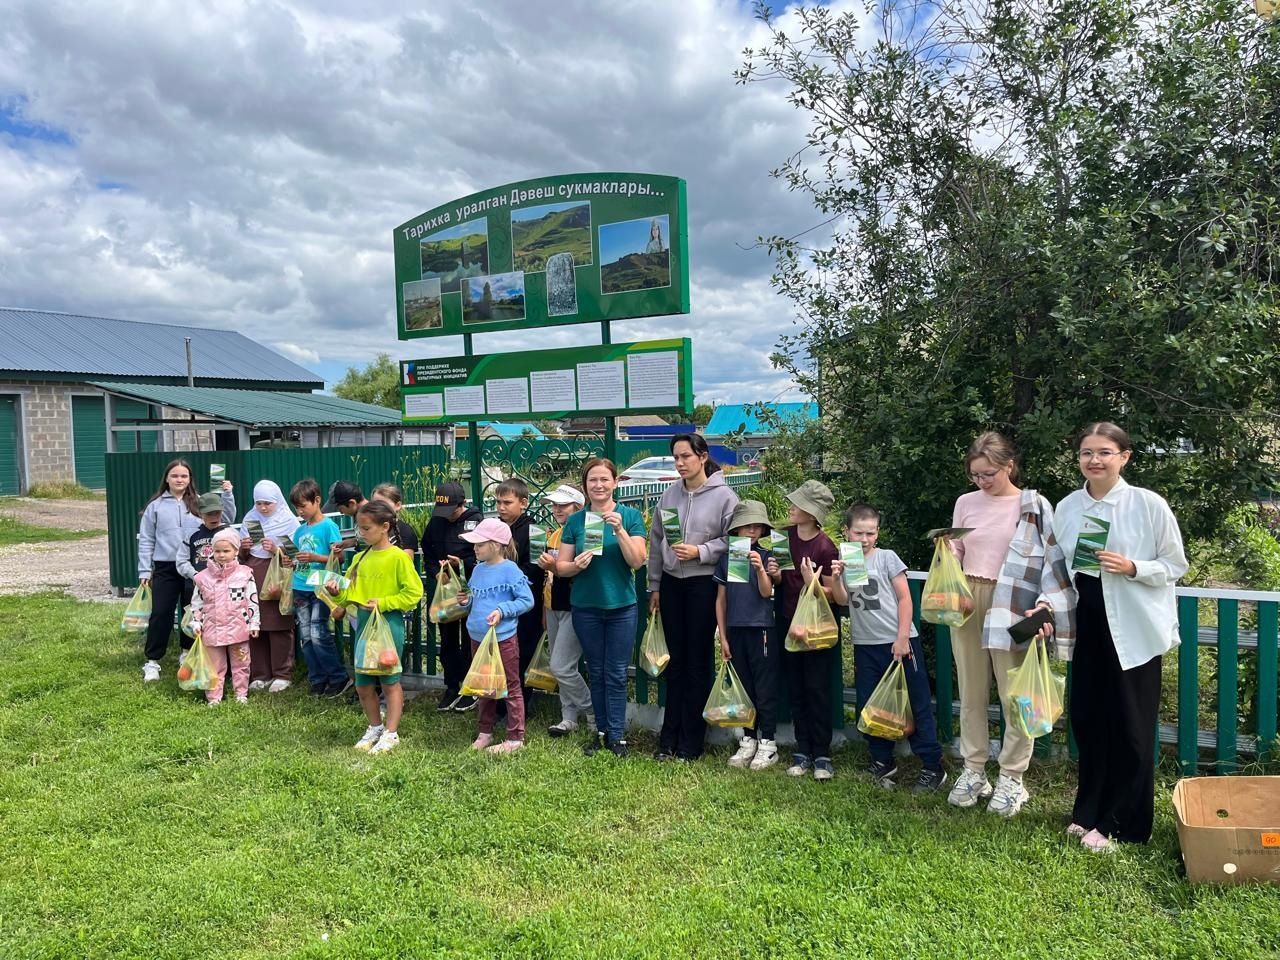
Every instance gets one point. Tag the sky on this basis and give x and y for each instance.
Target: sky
(242, 164)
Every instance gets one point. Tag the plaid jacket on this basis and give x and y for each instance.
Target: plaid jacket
(1034, 571)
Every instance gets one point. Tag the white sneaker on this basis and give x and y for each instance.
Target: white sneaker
(971, 786)
(258, 685)
(388, 741)
(766, 755)
(150, 671)
(279, 686)
(371, 736)
(746, 751)
(214, 703)
(1009, 797)
(242, 699)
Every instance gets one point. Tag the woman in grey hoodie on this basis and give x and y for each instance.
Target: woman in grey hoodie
(683, 552)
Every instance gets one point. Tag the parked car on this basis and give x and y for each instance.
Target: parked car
(648, 470)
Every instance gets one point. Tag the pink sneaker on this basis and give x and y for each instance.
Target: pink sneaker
(507, 746)
(481, 741)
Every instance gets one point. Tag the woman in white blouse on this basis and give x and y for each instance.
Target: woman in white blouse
(1125, 572)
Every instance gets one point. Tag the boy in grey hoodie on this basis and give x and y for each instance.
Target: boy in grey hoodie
(688, 533)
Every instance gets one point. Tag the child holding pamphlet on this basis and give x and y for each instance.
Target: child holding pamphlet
(314, 539)
(265, 529)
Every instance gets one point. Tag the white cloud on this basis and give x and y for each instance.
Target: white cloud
(242, 164)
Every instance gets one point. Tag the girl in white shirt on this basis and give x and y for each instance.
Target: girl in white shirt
(1126, 620)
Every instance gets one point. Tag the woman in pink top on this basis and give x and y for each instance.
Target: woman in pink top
(993, 512)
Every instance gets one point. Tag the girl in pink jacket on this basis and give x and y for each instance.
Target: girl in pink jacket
(224, 614)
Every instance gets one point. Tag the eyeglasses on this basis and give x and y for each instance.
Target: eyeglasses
(986, 475)
(1103, 455)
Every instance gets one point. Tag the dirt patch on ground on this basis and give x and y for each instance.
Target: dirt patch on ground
(80, 567)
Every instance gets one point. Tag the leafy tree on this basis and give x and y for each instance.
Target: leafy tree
(1040, 214)
(378, 382)
(702, 414)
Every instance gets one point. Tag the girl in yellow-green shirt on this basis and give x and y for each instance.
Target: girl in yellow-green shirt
(381, 578)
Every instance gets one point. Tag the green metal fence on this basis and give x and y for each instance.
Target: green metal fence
(133, 478)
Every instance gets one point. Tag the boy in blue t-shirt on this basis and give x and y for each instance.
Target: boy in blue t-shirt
(315, 540)
(882, 633)
(744, 615)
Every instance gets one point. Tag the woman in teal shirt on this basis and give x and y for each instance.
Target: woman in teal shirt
(603, 598)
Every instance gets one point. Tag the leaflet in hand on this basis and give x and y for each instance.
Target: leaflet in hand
(255, 531)
(217, 474)
(671, 526)
(288, 547)
(1093, 537)
(855, 565)
(322, 578)
(780, 547)
(593, 533)
(537, 541)
(739, 559)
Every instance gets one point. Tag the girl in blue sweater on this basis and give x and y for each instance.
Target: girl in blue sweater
(499, 593)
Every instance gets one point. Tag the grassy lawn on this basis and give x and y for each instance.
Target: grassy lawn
(139, 823)
(15, 531)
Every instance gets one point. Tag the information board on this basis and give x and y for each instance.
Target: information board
(578, 248)
(654, 376)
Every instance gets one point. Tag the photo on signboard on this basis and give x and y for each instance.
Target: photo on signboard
(499, 296)
(455, 253)
(635, 255)
(538, 233)
(422, 304)
(562, 286)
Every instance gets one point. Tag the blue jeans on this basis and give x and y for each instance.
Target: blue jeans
(870, 663)
(324, 666)
(608, 638)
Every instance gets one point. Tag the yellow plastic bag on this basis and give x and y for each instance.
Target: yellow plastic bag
(196, 672)
(1036, 693)
(487, 678)
(278, 584)
(137, 615)
(814, 626)
(332, 569)
(947, 598)
(728, 705)
(445, 605)
(539, 675)
(654, 655)
(185, 624)
(887, 712)
(376, 653)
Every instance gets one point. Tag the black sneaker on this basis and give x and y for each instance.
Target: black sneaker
(618, 748)
(448, 700)
(663, 755)
(591, 746)
(931, 781)
(339, 688)
(319, 689)
(464, 704)
(883, 772)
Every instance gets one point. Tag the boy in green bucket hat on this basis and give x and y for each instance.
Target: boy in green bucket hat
(744, 614)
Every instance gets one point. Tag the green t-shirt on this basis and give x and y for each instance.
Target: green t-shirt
(608, 583)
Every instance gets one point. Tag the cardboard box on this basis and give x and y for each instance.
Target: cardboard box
(1229, 828)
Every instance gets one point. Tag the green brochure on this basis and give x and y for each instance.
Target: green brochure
(1093, 537)
(537, 541)
(739, 559)
(593, 533)
(855, 565)
(671, 526)
(217, 473)
(780, 547)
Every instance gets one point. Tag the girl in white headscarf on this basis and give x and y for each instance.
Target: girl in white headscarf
(271, 651)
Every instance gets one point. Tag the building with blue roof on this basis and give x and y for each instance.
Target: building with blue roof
(752, 421)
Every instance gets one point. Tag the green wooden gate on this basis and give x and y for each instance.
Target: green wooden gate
(10, 473)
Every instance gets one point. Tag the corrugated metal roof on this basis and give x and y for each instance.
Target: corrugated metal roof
(732, 416)
(47, 342)
(260, 409)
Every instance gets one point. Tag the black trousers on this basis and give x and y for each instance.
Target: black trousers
(688, 610)
(1113, 715)
(455, 654)
(809, 685)
(755, 652)
(170, 594)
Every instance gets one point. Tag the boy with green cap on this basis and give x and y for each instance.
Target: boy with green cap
(809, 674)
(744, 615)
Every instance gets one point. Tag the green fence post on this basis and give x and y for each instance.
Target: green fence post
(1228, 657)
(1267, 642)
(1188, 684)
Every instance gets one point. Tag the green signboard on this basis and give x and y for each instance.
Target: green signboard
(655, 376)
(579, 248)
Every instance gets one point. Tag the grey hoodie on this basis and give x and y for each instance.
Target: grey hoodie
(166, 523)
(704, 520)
